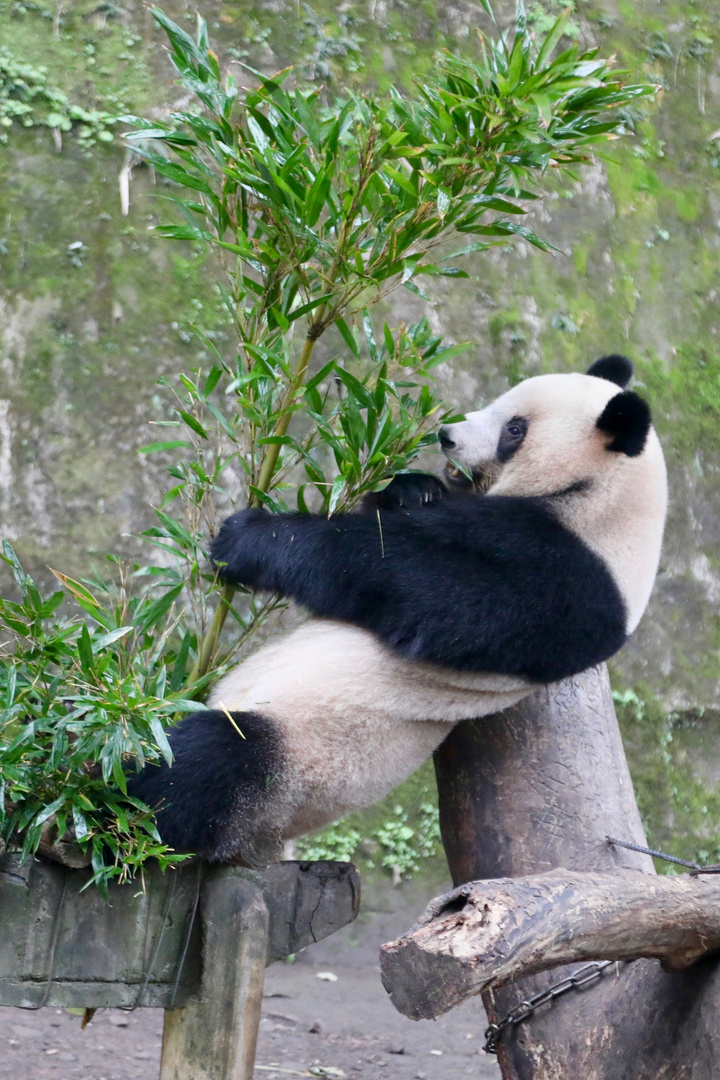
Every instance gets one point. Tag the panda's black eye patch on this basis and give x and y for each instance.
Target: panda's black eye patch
(511, 437)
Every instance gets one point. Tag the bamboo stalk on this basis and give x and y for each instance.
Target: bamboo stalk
(273, 451)
(209, 643)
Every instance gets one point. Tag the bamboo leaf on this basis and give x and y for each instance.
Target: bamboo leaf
(85, 652)
(440, 271)
(400, 180)
(156, 447)
(75, 588)
(161, 739)
(317, 197)
(50, 809)
(182, 232)
(348, 337)
(194, 423)
(102, 642)
(369, 334)
(158, 609)
(305, 309)
(336, 492)
(444, 355)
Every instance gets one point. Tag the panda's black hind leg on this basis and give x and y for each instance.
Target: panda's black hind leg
(216, 799)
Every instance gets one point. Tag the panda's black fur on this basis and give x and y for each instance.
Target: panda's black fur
(213, 783)
(439, 577)
(404, 577)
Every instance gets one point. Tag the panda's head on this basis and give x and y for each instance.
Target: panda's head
(551, 433)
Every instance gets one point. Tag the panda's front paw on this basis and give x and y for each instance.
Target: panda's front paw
(406, 491)
(235, 552)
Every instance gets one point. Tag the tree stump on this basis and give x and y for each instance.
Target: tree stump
(540, 787)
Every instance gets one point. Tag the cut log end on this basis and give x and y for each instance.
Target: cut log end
(485, 934)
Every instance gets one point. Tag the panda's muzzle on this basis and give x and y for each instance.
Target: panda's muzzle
(446, 440)
(499, 440)
(480, 480)
(455, 475)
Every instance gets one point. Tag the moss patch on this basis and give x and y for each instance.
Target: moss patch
(673, 760)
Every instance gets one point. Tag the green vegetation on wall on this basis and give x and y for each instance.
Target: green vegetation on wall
(675, 771)
(27, 98)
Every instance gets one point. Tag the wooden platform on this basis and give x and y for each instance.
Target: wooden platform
(194, 942)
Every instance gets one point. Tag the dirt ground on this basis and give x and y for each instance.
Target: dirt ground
(345, 1027)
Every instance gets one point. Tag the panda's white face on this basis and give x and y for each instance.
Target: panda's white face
(539, 438)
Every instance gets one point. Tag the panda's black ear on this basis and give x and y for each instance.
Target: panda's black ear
(617, 369)
(626, 417)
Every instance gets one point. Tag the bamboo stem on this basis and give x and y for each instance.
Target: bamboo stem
(209, 643)
(273, 451)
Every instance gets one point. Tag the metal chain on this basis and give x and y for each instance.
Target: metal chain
(582, 977)
(695, 868)
(590, 972)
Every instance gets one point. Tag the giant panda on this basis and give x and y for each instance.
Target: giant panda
(436, 602)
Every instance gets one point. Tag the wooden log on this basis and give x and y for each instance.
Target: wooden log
(484, 934)
(538, 787)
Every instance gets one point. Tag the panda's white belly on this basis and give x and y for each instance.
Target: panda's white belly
(356, 720)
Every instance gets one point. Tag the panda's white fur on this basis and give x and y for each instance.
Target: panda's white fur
(356, 719)
(342, 716)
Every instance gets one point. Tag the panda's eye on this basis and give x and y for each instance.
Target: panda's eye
(517, 427)
(511, 437)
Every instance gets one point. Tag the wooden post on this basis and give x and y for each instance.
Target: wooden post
(541, 786)
(214, 1036)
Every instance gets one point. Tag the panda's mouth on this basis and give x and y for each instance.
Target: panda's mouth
(481, 480)
(456, 476)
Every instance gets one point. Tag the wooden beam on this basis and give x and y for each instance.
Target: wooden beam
(482, 935)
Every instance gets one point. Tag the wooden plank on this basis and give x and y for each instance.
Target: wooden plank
(99, 954)
(307, 902)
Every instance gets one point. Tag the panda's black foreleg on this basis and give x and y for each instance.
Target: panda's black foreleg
(356, 568)
(299, 555)
(216, 800)
(406, 491)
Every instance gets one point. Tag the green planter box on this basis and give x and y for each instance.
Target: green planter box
(195, 941)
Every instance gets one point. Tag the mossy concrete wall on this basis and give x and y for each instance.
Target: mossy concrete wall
(94, 308)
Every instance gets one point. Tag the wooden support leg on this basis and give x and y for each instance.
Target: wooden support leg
(215, 1036)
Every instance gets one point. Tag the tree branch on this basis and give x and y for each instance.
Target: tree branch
(483, 934)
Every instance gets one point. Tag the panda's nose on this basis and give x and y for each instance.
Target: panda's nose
(446, 440)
